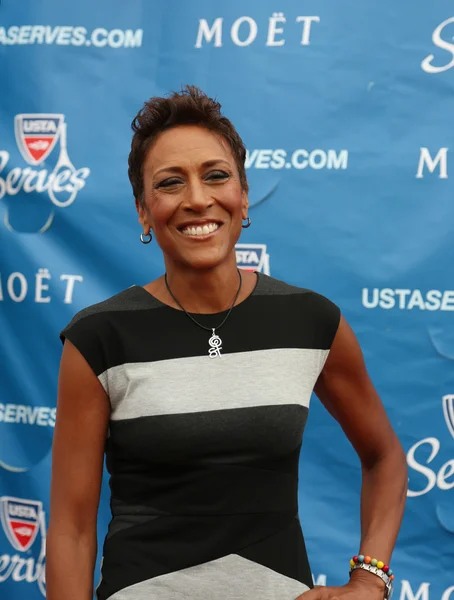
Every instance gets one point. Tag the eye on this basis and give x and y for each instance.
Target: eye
(168, 182)
(217, 175)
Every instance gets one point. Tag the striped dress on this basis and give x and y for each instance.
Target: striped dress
(203, 452)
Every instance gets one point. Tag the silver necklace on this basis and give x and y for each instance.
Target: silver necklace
(215, 342)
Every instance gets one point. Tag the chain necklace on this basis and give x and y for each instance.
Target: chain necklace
(215, 341)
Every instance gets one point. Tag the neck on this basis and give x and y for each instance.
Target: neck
(204, 290)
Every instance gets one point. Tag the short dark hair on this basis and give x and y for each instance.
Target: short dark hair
(188, 107)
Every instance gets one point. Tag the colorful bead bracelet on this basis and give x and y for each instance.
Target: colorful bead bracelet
(357, 560)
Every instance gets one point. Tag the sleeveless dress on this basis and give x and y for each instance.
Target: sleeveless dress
(203, 452)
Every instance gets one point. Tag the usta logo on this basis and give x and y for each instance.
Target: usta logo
(427, 64)
(253, 257)
(37, 135)
(23, 521)
(443, 476)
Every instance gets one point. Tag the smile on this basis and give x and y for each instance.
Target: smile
(200, 230)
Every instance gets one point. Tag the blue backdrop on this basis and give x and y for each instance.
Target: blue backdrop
(345, 108)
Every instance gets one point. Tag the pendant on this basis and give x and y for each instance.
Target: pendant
(215, 346)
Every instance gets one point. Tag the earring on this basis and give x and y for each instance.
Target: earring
(143, 236)
(248, 224)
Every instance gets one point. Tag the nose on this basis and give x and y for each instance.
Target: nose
(197, 197)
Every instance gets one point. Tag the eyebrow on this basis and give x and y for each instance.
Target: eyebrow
(207, 163)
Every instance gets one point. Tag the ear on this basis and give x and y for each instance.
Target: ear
(143, 220)
(245, 205)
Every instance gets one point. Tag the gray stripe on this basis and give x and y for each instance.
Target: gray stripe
(230, 578)
(197, 384)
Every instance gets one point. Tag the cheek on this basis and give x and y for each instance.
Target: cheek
(160, 210)
(232, 198)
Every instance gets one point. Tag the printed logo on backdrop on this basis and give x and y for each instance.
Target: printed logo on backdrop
(297, 159)
(26, 432)
(417, 590)
(435, 163)
(245, 30)
(406, 591)
(442, 38)
(20, 520)
(67, 35)
(17, 286)
(51, 181)
(253, 257)
(407, 299)
(36, 138)
(403, 589)
(270, 161)
(23, 547)
(448, 411)
(422, 458)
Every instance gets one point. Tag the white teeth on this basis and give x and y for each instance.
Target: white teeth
(201, 230)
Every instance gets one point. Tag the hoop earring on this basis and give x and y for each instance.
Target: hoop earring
(143, 240)
(248, 224)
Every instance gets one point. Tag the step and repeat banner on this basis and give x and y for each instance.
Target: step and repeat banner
(346, 111)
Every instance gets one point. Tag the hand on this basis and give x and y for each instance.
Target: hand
(362, 586)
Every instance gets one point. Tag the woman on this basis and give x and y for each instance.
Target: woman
(197, 387)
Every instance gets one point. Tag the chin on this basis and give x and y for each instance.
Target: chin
(203, 260)
(203, 263)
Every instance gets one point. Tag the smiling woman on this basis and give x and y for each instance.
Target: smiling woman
(193, 201)
(202, 434)
(187, 171)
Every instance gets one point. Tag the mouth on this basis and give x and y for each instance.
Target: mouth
(200, 230)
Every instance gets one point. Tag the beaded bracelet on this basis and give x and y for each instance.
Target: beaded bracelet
(377, 567)
(357, 560)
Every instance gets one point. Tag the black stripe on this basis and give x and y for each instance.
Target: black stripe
(168, 544)
(114, 337)
(195, 465)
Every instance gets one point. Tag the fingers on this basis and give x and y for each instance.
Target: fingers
(320, 592)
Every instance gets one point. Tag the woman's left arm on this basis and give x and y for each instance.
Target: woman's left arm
(345, 389)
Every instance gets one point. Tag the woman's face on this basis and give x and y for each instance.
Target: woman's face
(193, 200)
